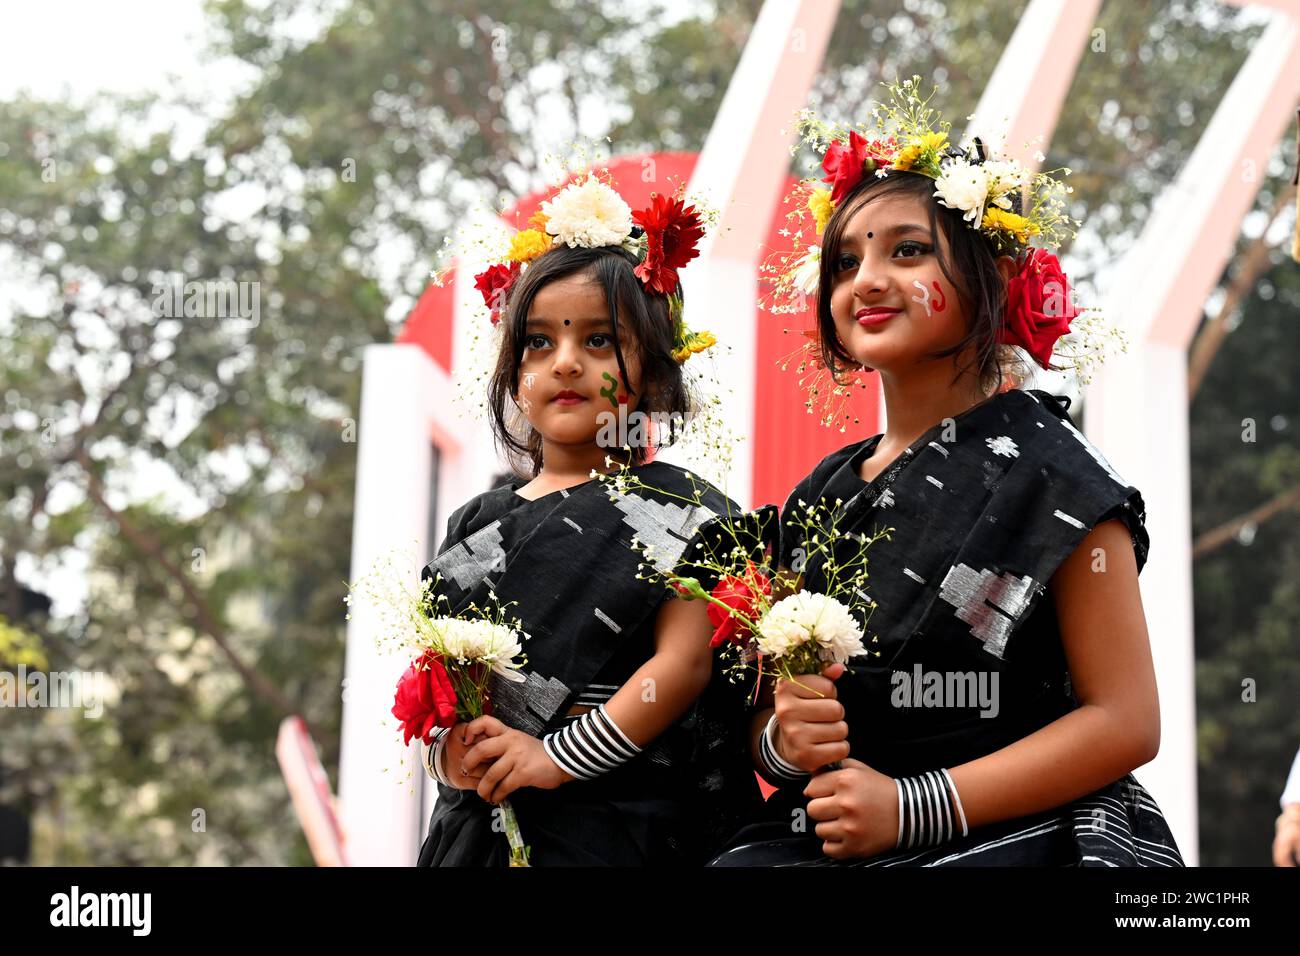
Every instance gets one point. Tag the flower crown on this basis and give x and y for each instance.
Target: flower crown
(589, 213)
(1021, 213)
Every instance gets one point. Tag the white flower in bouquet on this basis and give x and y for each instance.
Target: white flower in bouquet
(588, 214)
(805, 618)
(482, 641)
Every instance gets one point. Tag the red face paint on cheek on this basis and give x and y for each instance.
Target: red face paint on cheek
(939, 302)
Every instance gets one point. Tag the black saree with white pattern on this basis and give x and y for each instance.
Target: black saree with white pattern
(965, 654)
(567, 560)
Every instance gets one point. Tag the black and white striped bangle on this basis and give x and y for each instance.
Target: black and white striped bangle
(925, 810)
(589, 746)
(774, 765)
(433, 756)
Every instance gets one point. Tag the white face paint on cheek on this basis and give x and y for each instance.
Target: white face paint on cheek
(530, 380)
(925, 296)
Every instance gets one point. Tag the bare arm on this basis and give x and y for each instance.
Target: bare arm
(1117, 726)
(643, 708)
(665, 685)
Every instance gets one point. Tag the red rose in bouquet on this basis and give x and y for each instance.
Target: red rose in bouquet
(1039, 309)
(425, 698)
(743, 594)
(671, 230)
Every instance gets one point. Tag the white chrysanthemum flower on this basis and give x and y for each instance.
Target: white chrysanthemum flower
(588, 214)
(800, 618)
(481, 641)
(965, 187)
(807, 274)
(1005, 177)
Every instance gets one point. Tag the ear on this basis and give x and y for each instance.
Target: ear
(1008, 267)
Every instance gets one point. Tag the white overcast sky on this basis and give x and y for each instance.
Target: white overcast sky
(84, 46)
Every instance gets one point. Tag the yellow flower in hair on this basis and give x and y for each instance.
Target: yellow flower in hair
(693, 342)
(539, 219)
(821, 206)
(1018, 226)
(528, 245)
(909, 154)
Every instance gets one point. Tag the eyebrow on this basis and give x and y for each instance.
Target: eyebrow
(899, 229)
(547, 323)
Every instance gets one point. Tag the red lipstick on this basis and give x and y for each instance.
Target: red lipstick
(875, 316)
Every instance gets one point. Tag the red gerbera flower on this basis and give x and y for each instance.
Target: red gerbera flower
(672, 229)
(495, 282)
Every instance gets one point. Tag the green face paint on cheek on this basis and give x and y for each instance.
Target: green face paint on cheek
(611, 389)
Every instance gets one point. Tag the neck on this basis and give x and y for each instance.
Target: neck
(922, 398)
(572, 464)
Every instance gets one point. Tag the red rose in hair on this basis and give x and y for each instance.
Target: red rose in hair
(1039, 309)
(671, 230)
(425, 698)
(495, 282)
(742, 594)
(846, 166)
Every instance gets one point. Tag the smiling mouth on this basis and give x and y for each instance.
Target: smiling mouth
(875, 316)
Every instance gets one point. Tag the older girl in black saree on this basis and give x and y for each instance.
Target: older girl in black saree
(1009, 691)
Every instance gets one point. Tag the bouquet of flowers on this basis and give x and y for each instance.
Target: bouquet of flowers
(765, 618)
(455, 659)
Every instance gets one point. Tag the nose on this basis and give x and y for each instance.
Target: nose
(567, 359)
(869, 281)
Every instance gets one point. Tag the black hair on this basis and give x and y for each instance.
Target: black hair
(972, 270)
(649, 324)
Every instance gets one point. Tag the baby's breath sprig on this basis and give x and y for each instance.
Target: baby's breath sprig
(742, 558)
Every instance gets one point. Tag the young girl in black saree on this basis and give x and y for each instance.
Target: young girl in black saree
(1009, 691)
(617, 748)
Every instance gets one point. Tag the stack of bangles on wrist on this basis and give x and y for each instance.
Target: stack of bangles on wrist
(433, 756)
(591, 745)
(925, 810)
(929, 806)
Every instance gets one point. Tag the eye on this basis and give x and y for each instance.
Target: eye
(920, 247)
(845, 261)
(600, 340)
(532, 342)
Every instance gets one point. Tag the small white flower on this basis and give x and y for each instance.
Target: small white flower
(588, 214)
(807, 274)
(1005, 177)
